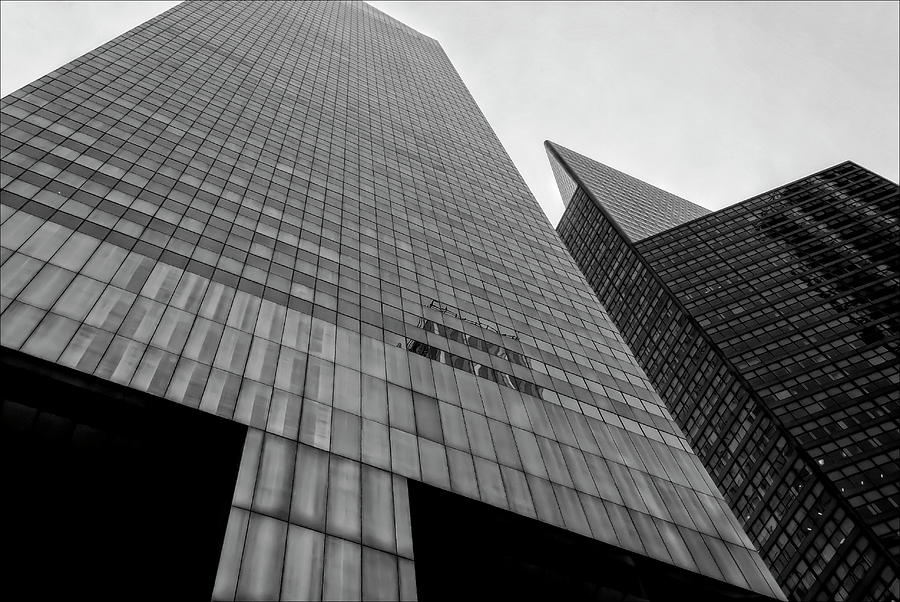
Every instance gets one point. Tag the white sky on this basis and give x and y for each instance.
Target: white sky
(714, 102)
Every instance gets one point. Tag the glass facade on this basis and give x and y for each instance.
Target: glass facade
(770, 329)
(293, 216)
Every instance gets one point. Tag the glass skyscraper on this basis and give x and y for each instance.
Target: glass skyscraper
(770, 330)
(281, 320)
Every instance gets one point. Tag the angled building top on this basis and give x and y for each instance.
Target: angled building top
(639, 209)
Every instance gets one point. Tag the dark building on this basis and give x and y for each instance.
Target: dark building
(770, 329)
(280, 319)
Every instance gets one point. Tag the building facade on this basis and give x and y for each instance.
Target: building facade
(280, 320)
(770, 329)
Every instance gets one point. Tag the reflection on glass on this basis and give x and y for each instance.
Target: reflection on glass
(374, 404)
(284, 414)
(290, 374)
(347, 389)
(110, 309)
(379, 575)
(376, 445)
(315, 424)
(479, 435)
(120, 360)
(433, 458)
(598, 519)
(50, 338)
(263, 559)
(545, 504)
(310, 480)
(17, 272)
(402, 520)
(378, 509)
(404, 454)
(303, 564)
(262, 361)
(345, 434)
(573, 513)
(46, 287)
(462, 473)
(490, 483)
(400, 406)
(220, 395)
(203, 340)
(154, 371)
(517, 493)
(86, 348)
(232, 550)
(343, 567)
(319, 380)
(188, 382)
(273, 483)
(173, 330)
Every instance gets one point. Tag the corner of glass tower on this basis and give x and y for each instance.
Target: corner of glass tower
(769, 330)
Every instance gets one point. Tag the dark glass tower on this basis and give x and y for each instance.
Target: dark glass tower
(770, 329)
(280, 319)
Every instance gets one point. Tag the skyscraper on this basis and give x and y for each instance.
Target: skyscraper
(282, 320)
(770, 329)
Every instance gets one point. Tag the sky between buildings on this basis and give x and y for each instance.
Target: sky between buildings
(713, 101)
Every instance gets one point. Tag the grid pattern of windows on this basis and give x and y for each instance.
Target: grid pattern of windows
(812, 538)
(260, 210)
(806, 308)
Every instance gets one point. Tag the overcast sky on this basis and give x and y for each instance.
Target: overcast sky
(715, 102)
